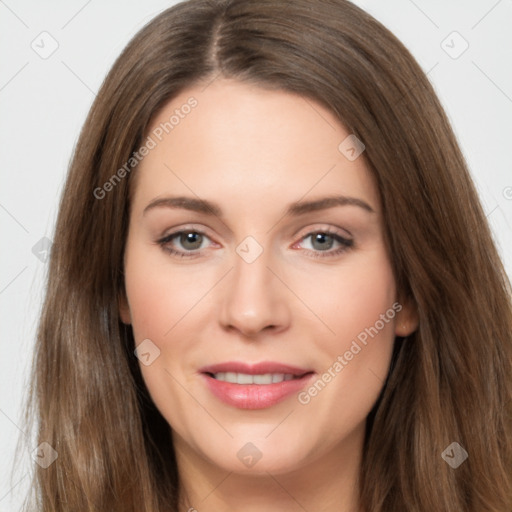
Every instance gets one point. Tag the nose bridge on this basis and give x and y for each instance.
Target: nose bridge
(253, 298)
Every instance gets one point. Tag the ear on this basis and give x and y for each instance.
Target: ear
(407, 318)
(124, 309)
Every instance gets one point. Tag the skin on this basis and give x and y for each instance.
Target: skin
(255, 151)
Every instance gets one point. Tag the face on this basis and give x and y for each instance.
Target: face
(265, 318)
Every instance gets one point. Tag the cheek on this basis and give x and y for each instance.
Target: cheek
(352, 299)
(368, 293)
(158, 298)
(161, 301)
(360, 311)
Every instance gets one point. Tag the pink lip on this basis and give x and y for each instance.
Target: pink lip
(254, 396)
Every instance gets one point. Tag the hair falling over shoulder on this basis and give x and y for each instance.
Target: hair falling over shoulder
(450, 381)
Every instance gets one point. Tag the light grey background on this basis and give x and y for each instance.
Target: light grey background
(44, 102)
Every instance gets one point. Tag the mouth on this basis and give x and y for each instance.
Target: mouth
(246, 378)
(256, 386)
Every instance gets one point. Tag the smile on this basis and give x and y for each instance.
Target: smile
(254, 386)
(246, 378)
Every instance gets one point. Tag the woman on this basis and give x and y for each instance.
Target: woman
(338, 334)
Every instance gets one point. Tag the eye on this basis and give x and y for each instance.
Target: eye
(189, 243)
(322, 242)
(190, 240)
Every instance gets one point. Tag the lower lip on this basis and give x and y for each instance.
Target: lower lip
(255, 396)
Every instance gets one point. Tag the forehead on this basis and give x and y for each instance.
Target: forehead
(248, 144)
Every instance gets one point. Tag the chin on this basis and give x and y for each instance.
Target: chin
(255, 455)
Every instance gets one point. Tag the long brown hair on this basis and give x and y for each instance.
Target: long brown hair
(450, 380)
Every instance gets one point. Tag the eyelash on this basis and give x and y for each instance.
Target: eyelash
(345, 243)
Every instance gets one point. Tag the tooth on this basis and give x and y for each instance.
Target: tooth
(263, 379)
(230, 377)
(244, 378)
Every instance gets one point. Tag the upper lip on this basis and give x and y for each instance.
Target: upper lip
(254, 368)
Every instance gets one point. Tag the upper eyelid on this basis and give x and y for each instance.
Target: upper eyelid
(186, 229)
(326, 229)
(289, 231)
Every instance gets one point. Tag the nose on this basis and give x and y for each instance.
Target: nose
(254, 299)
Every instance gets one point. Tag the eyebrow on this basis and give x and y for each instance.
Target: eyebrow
(294, 209)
